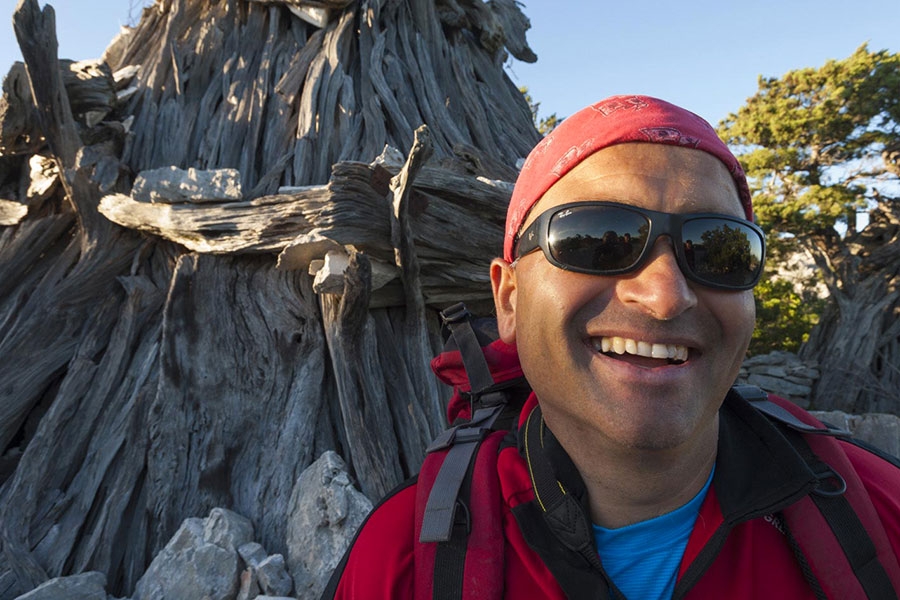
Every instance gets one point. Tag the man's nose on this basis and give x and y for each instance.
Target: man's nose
(659, 287)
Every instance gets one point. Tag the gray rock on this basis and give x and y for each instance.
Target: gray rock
(770, 370)
(84, 586)
(805, 371)
(782, 373)
(269, 572)
(252, 553)
(772, 358)
(227, 529)
(273, 576)
(879, 429)
(325, 512)
(249, 585)
(779, 386)
(200, 561)
(804, 381)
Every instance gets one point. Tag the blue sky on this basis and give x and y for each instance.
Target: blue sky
(701, 54)
(704, 55)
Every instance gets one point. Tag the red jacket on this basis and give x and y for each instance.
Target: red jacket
(738, 549)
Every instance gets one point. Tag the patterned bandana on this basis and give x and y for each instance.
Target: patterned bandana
(615, 120)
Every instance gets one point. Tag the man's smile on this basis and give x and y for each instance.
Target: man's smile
(641, 353)
(615, 345)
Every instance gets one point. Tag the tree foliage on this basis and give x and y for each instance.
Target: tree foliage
(815, 141)
(820, 146)
(544, 125)
(784, 316)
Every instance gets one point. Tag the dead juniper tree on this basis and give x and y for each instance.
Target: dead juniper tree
(222, 248)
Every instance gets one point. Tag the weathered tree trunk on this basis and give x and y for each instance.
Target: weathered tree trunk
(857, 342)
(168, 350)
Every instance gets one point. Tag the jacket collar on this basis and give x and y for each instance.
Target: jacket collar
(758, 472)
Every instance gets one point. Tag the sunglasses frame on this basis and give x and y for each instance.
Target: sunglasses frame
(661, 223)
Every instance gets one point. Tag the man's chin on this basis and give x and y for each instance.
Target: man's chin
(658, 428)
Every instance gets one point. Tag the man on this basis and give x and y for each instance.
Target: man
(631, 437)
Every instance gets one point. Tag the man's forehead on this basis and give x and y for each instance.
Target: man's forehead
(644, 157)
(697, 181)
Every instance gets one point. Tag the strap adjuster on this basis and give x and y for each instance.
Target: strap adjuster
(461, 434)
(455, 314)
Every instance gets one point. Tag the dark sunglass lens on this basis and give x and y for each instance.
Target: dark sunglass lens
(599, 239)
(722, 252)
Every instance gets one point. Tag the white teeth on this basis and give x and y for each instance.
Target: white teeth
(621, 345)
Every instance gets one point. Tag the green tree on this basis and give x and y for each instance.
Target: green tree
(784, 315)
(820, 146)
(544, 125)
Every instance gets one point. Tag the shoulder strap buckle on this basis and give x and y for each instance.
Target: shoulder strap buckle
(455, 314)
(759, 399)
(458, 320)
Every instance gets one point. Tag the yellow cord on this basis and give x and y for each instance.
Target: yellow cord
(528, 460)
(537, 496)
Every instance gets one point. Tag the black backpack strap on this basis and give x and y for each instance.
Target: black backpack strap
(760, 401)
(851, 535)
(830, 499)
(458, 320)
(463, 442)
(446, 518)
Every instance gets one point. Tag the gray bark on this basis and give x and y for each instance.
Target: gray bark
(164, 352)
(857, 342)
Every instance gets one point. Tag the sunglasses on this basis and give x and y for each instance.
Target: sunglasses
(608, 238)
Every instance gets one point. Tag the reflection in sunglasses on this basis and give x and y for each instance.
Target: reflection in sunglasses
(606, 238)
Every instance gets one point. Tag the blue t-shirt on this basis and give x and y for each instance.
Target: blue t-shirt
(642, 559)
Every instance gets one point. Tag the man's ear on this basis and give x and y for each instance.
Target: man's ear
(503, 282)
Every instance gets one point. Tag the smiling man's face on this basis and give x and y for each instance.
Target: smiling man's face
(562, 321)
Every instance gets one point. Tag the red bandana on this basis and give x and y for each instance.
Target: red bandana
(615, 120)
